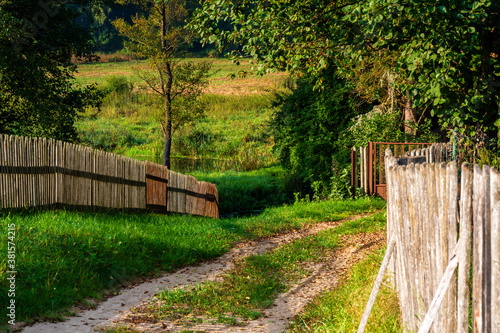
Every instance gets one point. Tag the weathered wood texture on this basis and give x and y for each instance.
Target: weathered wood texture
(425, 209)
(38, 172)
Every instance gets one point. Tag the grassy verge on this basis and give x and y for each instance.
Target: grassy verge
(64, 257)
(248, 192)
(256, 281)
(340, 310)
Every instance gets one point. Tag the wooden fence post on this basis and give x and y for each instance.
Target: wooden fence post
(464, 250)
(354, 171)
(495, 250)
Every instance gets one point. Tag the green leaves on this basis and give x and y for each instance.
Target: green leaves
(447, 43)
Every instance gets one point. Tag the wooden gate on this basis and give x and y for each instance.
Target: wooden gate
(370, 163)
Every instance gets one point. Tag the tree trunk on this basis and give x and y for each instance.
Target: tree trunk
(167, 90)
(167, 127)
(409, 117)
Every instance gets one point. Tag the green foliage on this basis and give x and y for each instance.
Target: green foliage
(309, 123)
(37, 43)
(444, 53)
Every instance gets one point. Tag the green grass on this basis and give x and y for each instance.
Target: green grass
(247, 192)
(64, 257)
(234, 126)
(249, 288)
(256, 281)
(340, 310)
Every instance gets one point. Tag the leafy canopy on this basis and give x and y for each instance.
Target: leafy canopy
(37, 42)
(446, 51)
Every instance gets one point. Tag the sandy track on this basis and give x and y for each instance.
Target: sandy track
(116, 310)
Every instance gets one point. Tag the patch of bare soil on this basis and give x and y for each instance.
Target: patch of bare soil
(116, 311)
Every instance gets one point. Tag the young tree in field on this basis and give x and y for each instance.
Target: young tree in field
(159, 35)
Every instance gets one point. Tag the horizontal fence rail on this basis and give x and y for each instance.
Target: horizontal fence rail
(429, 206)
(36, 172)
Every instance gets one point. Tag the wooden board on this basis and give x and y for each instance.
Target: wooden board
(156, 186)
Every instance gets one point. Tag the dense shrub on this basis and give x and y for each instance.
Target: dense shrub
(309, 122)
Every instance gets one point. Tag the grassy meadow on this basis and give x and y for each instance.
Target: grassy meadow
(233, 128)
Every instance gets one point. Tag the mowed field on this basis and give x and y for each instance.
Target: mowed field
(222, 81)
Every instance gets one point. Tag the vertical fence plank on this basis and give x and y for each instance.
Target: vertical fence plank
(171, 193)
(478, 256)
(50, 182)
(77, 180)
(142, 189)
(191, 187)
(487, 286)
(182, 195)
(414, 252)
(10, 174)
(60, 165)
(441, 251)
(135, 192)
(404, 280)
(452, 193)
(45, 164)
(495, 249)
(16, 177)
(433, 230)
(22, 177)
(464, 250)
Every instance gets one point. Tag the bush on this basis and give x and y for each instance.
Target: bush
(307, 125)
(117, 84)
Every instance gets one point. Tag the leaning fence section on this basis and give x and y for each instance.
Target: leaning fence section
(431, 210)
(38, 172)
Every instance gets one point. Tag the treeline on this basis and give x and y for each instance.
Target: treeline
(379, 70)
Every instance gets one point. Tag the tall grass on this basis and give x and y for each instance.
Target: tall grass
(233, 128)
(64, 257)
(247, 192)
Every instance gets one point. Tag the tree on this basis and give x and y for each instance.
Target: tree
(159, 36)
(445, 51)
(37, 42)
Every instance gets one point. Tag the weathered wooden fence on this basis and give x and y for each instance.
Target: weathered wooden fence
(428, 206)
(38, 172)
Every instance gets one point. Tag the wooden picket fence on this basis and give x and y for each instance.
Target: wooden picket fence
(37, 172)
(429, 205)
